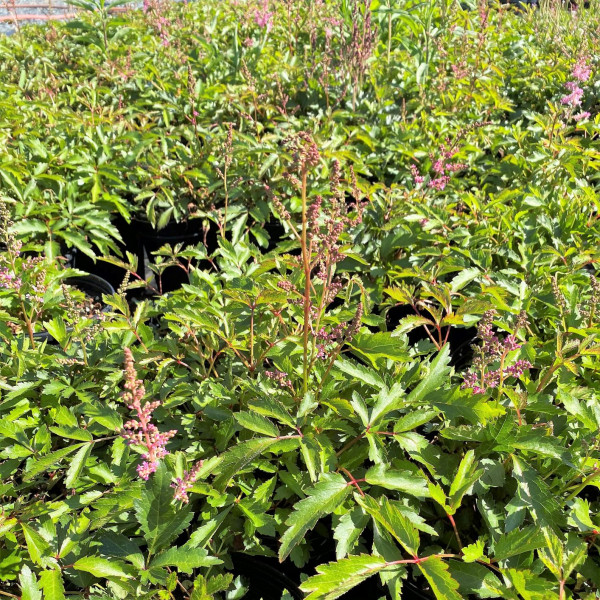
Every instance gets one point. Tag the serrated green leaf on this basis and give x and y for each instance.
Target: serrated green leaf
(44, 463)
(439, 372)
(185, 559)
(401, 295)
(30, 590)
(404, 481)
(119, 545)
(104, 568)
(535, 494)
(322, 499)
(270, 407)
(463, 278)
(531, 586)
(475, 579)
(466, 475)
(414, 419)
(580, 515)
(360, 372)
(219, 583)
(52, 585)
(37, 546)
(238, 457)
(379, 345)
(256, 422)
(202, 535)
(72, 433)
(537, 443)
(348, 530)
(159, 519)
(77, 465)
(390, 518)
(13, 431)
(519, 541)
(57, 329)
(388, 400)
(442, 584)
(575, 551)
(411, 322)
(337, 578)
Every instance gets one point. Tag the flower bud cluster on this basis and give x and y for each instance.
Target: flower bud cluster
(589, 311)
(305, 151)
(263, 17)
(492, 351)
(140, 430)
(581, 73)
(441, 166)
(280, 377)
(183, 484)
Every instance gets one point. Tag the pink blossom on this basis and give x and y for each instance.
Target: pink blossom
(492, 352)
(459, 70)
(581, 70)
(454, 167)
(574, 98)
(581, 116)
(439, 183)
(9, 280)
(416, 176)
(281, 377)
(141, 431)
(263, 17)
(183, 484)
(439, 165)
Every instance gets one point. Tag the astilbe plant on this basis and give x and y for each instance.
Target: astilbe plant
(24, 278)
(183, 484)
(442, 166)
(581, 73)
(263, 17)
(325, 221)
(490, 368)
(140, 430)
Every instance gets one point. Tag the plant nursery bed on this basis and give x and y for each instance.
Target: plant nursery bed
(299, 300)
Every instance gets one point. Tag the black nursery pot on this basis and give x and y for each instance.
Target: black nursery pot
(108, 272)
(265, 577)
(149, 240)
(460, 338)
(93, 287)
(276, 232)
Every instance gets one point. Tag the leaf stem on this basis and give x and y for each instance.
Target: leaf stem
(451, 519)
(582, 485)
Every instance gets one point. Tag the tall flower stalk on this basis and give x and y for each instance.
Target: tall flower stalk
(140, 430)
(324, 221)
(25, 277)
(307, 156)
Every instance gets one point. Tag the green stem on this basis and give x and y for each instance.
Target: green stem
(389, 45)
(546, 378)
(306, 263)
(252, 365)
(582, 485)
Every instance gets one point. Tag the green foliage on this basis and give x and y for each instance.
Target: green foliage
(331, 490)
(335, 579)
(317, 363)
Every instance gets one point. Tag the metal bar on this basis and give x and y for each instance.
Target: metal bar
(33, 17)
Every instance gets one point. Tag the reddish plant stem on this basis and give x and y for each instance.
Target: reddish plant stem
(353, 481)
(451, 519)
